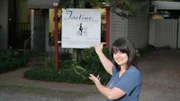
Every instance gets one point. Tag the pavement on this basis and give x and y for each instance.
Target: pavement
(161, 82)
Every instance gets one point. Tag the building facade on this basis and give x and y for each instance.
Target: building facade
(135, 29)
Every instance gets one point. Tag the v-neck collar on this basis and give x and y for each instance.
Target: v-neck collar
(123, 73)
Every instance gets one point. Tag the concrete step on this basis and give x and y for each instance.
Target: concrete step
(36, 61)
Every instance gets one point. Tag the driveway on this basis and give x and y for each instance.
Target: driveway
(161, 76)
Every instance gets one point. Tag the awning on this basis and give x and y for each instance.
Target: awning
(166, 5)
(44, 4)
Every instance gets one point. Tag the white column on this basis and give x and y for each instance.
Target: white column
(32, 28)
(178, 34)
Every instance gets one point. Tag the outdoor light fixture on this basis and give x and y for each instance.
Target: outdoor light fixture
(55, 4)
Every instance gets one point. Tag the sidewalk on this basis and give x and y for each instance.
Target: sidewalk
(59, 91)
(16, 78)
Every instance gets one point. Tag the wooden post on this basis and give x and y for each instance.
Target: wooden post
(56, 34)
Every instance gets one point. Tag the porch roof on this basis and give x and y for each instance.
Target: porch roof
(166, 5)
(44, 4)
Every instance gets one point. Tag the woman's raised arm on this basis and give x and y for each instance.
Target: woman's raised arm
(107, 64)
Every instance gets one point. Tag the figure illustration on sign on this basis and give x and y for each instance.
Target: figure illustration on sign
(82, 31)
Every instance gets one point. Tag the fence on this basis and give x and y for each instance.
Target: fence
(164, 33)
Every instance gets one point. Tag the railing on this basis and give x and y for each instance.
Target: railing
(27, 48)
(22, 27)
(23, 32)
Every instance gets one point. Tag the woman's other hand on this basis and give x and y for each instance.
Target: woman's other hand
(95, 79)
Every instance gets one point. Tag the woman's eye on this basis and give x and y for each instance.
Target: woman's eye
(120, 52)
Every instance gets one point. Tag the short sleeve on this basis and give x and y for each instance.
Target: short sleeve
(129, 81)
(114, 70)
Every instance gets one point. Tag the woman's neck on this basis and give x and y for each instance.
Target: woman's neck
(122, 70)
(124, 67)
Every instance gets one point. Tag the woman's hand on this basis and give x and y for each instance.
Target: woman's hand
(96, 80)
(98, 47)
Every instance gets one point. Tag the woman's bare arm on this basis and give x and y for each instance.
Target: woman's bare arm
(111, 94)
(107, 64)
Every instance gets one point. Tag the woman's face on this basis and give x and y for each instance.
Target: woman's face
(120, 58)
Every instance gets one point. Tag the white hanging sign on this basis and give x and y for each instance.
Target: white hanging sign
(81, 28)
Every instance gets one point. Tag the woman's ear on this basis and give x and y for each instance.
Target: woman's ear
(137, 52)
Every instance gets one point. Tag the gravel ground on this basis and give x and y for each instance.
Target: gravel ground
(16, 96)
(160, 71)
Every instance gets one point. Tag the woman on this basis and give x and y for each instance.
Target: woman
(125, 83)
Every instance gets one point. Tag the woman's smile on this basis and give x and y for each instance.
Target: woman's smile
(120, 58)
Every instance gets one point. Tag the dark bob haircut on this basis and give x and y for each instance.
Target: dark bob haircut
(125, 46)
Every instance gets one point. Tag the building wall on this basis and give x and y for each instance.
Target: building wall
(118, 27)
(3, 24)
(138, 27)
(23, 15)
(138, 31)
(134, 28)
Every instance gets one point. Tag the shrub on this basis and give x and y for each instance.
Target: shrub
(65, 56)
(49, 62)
(9, 63)
(72, 71)
(49, 74)
(11, 59)
(91, 61)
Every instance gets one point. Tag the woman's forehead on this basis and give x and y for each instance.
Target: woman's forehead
(116, 49)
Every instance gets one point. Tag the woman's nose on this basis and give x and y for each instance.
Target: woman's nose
(116, 55)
